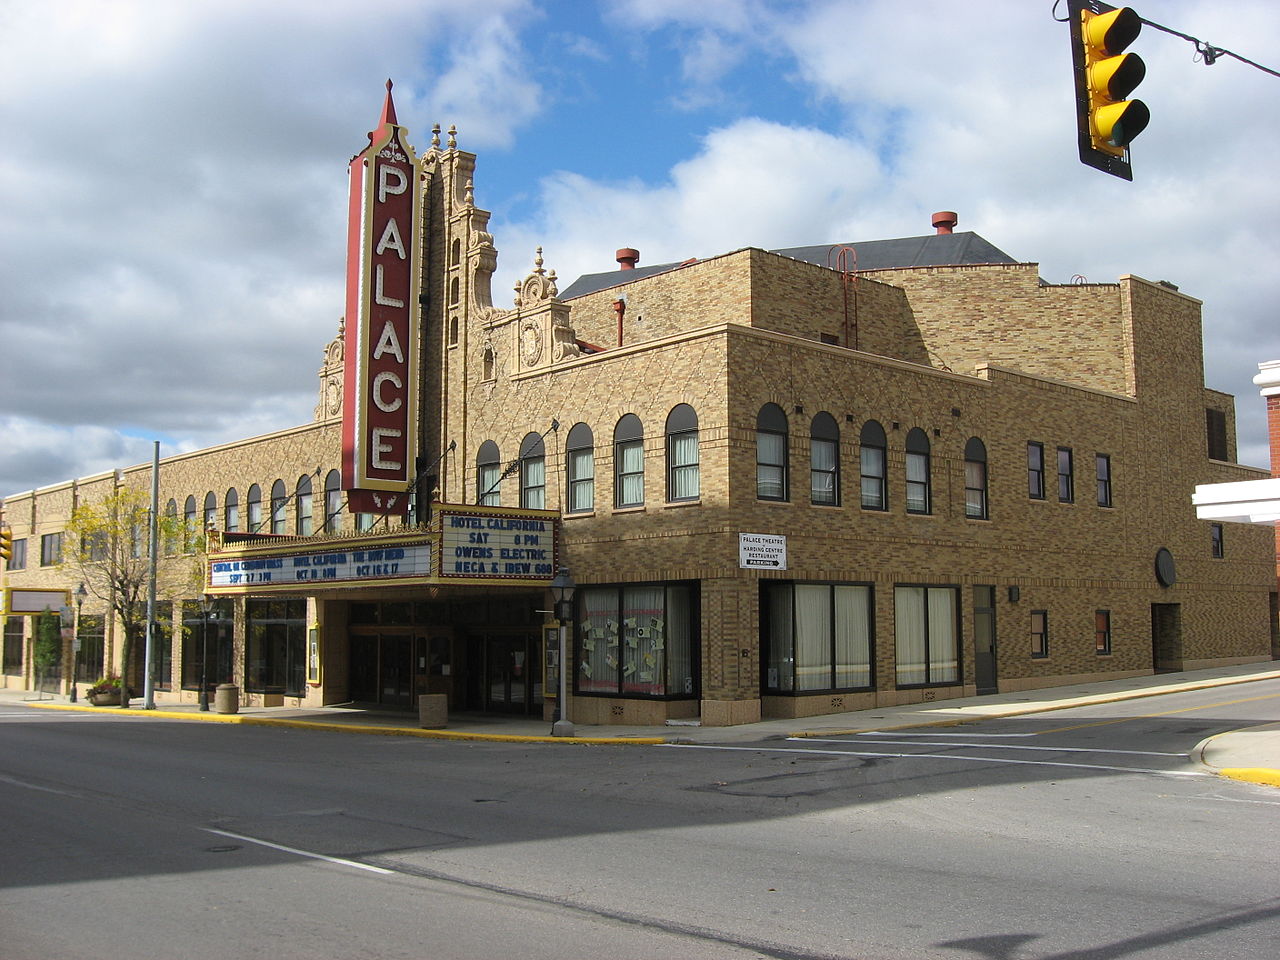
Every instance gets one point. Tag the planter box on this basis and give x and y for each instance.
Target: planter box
(105, 699)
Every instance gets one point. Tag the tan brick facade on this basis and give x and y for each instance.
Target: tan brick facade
(982, 351)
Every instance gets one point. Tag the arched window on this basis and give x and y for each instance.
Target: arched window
(453, 290)
(771, 453)
(302, 507)
(533, 473)
(453, 331)
(581, 465)
(824, 460)
(278, 500)
(332, 502)
(231, 512)
(210, 510)
(875, 490)
(455, 253)
(488, 475)
(918, 497)
(190, 525)
(253, 503)
(682, 453)
(171, 527)
(975, 479)
(628, 462)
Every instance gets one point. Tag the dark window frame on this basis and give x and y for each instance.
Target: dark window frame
(489, 475)
(957, 636)
(872, 440)
(1066, 475)
(919, 456)
(823, 430)
(1102, 471)
(1035, 470)
(682, 423)
(768, 597)
(628, 436)
(50, 549)
(976, 494)
(1102, 632)
(580, 440)
(533, 452)
(771, 422)
(1039, 634)
(1217, 546)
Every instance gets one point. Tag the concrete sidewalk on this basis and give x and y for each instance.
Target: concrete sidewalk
(1249, 754)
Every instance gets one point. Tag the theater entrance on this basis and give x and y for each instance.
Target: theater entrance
(382, 667)
(512, 674)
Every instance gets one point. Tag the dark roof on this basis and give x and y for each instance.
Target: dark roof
(933, 250)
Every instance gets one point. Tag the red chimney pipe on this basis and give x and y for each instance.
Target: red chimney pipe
(945, 220)
(628, 257)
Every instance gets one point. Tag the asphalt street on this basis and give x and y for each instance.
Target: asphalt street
(1084, 833)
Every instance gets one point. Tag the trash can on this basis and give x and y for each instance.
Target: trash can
(433, 710)
(226, 698)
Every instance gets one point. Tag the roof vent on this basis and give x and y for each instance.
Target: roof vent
(628, 257)
(944, 221)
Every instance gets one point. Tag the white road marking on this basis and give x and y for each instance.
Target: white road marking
(32, 786)
(297, 852)
(947, 756)
(992, 746)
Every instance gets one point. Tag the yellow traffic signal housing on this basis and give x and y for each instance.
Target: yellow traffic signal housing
(6, 544)
(1107, 122)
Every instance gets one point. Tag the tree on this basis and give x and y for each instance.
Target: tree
(107, 547)
(48, 645)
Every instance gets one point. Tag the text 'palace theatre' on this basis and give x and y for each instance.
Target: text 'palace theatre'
(783, 482)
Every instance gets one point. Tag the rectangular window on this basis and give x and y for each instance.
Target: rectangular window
(1066, 476)
(925, 633)
(582, 480)
(1215, 534)
(18, 555)
(12, 660)
(1039, 633)
(92, 633)
(771, 465)
(629, 467)
(873, 478)
(1102, 632)
(212, 637)
(533, 483)
(1104, 480)
(975, 489)
(1215, 423)
(637, 640)
(817, 636)
(917, 483)
(488, 482)
(1035, 471)
(276, 646)
(682, 454)
(50, 549)
(162, 657)
(824, 487)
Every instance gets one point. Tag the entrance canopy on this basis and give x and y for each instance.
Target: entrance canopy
(1248, 501)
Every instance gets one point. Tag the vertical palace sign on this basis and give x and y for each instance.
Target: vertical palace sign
(380, 406)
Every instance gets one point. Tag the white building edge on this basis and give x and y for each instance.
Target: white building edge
(1249, 501)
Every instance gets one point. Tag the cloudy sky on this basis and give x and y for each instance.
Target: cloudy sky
(172, 183)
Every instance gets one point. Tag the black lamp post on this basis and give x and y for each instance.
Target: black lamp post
(81, 593)
(562, 590)
(206, 606)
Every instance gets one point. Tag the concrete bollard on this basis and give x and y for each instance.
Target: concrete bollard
(226, 698)
(433, 710)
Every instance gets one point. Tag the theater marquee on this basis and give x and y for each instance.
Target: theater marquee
(380, 405)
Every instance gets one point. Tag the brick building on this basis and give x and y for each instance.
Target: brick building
(786, 482)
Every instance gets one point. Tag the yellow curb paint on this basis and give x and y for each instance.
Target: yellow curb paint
(1262, 775)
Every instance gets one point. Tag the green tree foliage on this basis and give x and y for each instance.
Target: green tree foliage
(48, 644)
(108, 548)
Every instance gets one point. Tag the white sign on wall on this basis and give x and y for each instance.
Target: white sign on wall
(762, 551)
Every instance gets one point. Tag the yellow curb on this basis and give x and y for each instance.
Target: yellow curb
(1026, 711)
(349, 727)
(1269, 778)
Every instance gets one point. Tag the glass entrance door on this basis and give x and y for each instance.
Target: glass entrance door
(509, 670)
(381, 668)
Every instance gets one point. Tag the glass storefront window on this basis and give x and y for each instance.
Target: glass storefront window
(636, 640)
(276, 647)
(817, 637)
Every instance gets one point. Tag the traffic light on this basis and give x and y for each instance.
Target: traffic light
(1106, 121)
(6, 545)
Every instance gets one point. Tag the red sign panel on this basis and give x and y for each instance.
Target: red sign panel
(380, 412)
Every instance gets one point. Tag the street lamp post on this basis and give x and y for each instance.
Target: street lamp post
(81, 593)
(562, 589)
(206, 607)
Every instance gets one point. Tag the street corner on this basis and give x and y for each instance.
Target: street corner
(1260, 775)
(1250, 754)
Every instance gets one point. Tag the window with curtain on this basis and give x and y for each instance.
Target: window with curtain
(682, 453)
(975, 480)
(875, 489)
(533, 473)
(919, 495)
(817, 637)
(332, 502)
(210, 510)
(253, 503)
(637, 640)
(926, 635)
(824, 460)
(771, 453)
(488, 475)
(302, 506)
(279, 499)
(231, 511)
(628, 462)
(580, 462)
